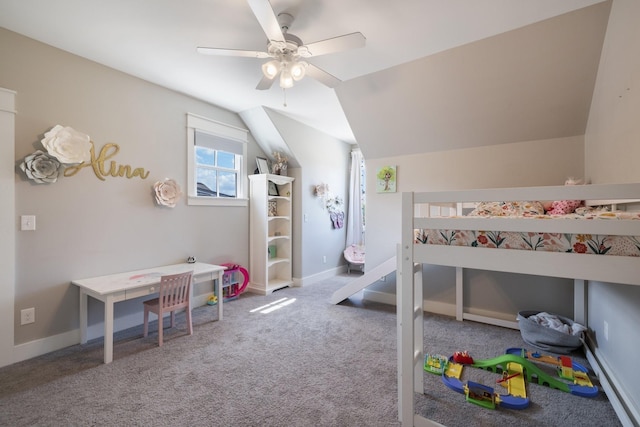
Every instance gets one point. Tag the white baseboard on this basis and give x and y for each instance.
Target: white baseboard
(443, 308)
(46, 345)
(323, 275)
(435, 307)
(622, 404)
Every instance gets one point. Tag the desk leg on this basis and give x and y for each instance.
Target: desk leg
(108, 330)
(84, 298)
(219, 293)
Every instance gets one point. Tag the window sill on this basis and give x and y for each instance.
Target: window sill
(215, 201)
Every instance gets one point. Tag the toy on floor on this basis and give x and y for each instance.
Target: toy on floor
(231, 286)
(517, 366)
(213, 300)
(435, 363)
(567, 369)
(485, 396)
(463, 358)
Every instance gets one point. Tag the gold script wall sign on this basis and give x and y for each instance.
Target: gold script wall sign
(99, 165)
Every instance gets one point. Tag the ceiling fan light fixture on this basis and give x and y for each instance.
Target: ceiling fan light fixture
(270, 69)
(286, 80)
(298, 70)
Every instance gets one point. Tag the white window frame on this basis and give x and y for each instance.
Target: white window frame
(203, 124)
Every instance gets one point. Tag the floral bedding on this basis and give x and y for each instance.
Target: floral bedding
(535, 241)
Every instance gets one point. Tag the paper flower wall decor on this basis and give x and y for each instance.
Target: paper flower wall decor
(167, 192)
(65, 147)
(41, 167)
(321, 189)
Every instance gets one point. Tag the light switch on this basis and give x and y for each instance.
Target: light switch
(28, 222)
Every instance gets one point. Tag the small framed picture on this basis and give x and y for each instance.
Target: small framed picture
(263, 165)
(273, 189)
(386, 179)
(273, 208)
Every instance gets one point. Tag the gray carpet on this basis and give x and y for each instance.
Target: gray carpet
(305, 363)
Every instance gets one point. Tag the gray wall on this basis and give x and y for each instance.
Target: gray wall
(322, 159)
(612, 153)
(88, 227)
(531, 163)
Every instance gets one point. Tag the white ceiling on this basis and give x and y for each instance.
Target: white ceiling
(156, 40)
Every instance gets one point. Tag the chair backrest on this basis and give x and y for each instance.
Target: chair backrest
(175, 290)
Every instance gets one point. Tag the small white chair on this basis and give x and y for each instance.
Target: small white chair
(174, 294)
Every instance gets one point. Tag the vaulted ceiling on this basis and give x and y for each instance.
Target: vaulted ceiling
(444, 74)
(531, 83)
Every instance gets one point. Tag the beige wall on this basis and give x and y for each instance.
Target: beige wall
(86, 226)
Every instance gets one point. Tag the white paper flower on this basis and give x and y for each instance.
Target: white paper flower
(67, 145)
(41, 167)
(167, 192)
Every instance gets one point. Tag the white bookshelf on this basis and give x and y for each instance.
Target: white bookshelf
(270, 230)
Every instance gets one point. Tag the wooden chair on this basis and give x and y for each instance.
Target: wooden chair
(174, 294)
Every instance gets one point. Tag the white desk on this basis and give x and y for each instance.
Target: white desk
(118, 287)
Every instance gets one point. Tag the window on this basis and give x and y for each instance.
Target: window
(216, 163)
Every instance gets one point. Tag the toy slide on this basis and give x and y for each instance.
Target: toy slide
(536, 375)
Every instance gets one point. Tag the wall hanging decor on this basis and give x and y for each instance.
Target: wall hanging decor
(167, 192)
(386, 179)
(65, 147)
(40, 167)
(103, 169)
(69, 151)
(332, 203)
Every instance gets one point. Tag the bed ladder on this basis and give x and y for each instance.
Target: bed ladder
(387, 267)
(410, 323)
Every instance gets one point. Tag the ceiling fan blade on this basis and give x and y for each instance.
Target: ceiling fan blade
(322, 76)
(232, 52)
(266, 83)
(335, 44)
(267, 18)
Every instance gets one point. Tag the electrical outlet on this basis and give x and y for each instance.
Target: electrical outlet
(605, 330)
(324, 259)
(28, 315)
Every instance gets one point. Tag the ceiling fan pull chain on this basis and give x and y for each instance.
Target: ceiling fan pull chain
(284, 94)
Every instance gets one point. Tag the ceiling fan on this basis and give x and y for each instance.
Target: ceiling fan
(286, 52)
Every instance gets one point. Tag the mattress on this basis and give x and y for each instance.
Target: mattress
(540, 241)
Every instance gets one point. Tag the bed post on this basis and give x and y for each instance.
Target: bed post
(580, 302)
(405, 314)
(459, 294)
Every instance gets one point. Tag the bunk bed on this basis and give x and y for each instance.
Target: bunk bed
(422, 220)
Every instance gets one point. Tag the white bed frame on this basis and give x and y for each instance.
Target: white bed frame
(416, 214)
